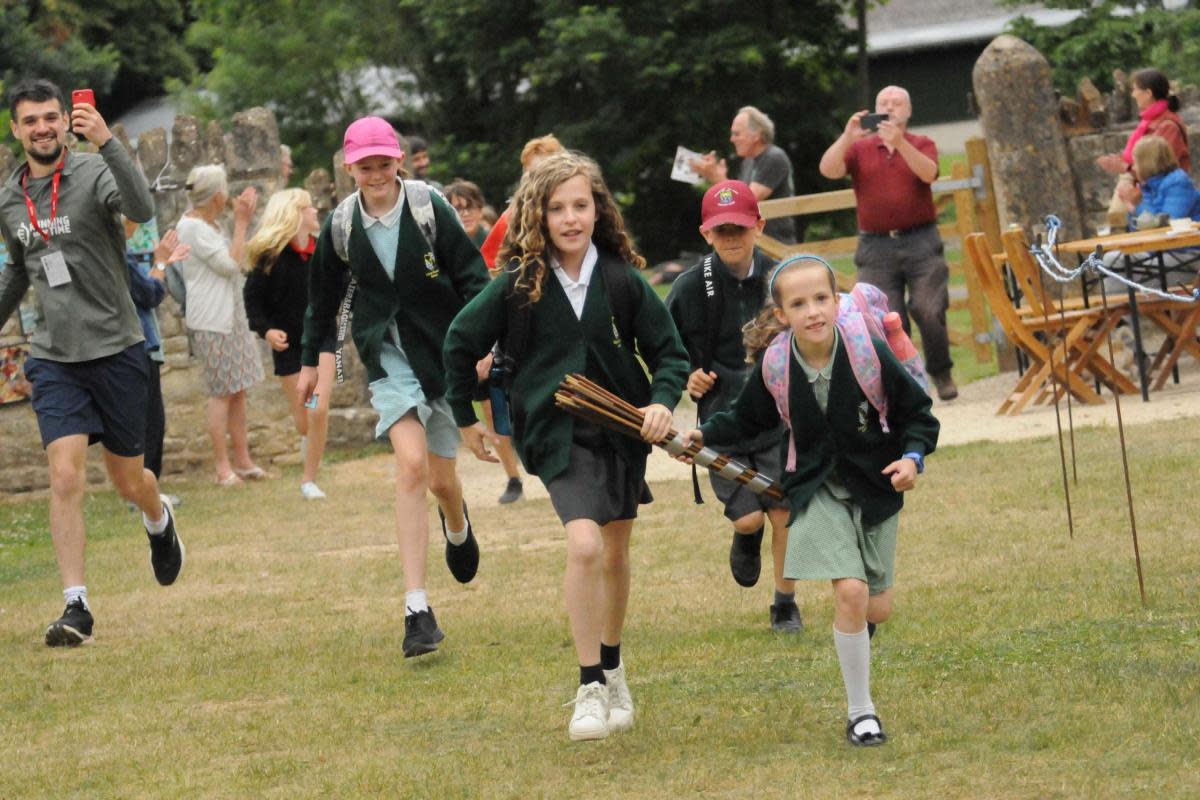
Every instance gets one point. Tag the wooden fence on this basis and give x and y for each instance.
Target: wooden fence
(968, 188)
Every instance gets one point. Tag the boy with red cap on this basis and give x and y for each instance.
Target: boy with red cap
(710, 303)
(394, 256)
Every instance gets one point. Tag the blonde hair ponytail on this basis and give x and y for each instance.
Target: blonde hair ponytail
(280, 224)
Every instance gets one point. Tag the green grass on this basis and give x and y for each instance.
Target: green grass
(1019, 663)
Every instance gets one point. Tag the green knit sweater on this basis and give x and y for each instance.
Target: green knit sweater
(846, 442)
(560, 343)
(423, 302)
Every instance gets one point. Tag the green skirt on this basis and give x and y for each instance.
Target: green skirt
(827, 541)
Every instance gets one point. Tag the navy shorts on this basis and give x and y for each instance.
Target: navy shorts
(104, 398)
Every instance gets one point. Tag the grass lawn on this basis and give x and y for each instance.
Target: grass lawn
(1020, 663)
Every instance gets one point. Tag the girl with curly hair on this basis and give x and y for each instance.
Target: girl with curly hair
(565, 253)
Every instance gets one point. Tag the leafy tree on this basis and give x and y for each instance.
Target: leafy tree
(44, 43)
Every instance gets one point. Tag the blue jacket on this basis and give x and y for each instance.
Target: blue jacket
(1170, 193)
(147, 294)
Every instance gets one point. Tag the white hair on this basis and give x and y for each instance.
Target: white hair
(204, 183)
(759, 122)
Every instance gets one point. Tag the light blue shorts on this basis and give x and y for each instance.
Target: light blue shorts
(400, 394)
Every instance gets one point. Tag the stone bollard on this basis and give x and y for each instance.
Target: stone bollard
(1030, 165)
(343, 184)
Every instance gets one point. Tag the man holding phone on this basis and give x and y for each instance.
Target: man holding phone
(898, 243)
(60, 215)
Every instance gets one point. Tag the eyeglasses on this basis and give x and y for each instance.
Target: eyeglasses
(465, 209)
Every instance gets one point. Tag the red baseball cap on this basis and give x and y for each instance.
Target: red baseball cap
(370, 136)
(729, 203)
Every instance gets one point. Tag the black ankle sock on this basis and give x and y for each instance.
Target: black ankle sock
(592, 674)
(784, 599)
(610, 655)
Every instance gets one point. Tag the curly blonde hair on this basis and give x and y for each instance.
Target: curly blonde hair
(279, 225)
(525, 248)
(758, 333)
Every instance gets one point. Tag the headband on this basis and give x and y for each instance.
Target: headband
(790, 260)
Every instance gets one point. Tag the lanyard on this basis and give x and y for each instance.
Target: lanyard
(53, 198)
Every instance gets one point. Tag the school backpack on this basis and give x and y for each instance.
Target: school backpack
(417, 195)
(861, 316)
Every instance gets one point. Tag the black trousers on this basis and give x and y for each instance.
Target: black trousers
(156, 419)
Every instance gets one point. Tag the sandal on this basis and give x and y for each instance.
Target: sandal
(254, 473)
(865, 739)
(229, 480)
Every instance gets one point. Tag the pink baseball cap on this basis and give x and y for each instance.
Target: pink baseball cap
(370, 136)
(729, 203)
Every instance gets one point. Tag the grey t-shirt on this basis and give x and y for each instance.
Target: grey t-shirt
(92, 315)
(772, 168)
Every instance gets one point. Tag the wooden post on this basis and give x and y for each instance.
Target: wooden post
(987, 220)
(964, 208)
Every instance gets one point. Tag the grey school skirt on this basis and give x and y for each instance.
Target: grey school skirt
(596, 484)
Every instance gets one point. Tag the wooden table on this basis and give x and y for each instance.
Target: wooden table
(1151, 243)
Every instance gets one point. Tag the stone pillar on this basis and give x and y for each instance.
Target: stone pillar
(1026, 146)
(319, 184)
(343, 184)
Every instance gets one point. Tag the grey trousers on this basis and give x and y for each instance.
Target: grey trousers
(914, 261)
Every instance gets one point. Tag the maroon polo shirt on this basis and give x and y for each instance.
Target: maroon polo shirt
(890, 196)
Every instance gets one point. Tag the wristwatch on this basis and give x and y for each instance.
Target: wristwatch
(917, 458)
(160, 267)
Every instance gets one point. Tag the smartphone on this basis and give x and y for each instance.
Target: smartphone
(870, 122)
(83, 96)
(312, 401)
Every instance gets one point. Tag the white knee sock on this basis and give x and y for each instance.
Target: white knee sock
(854, 654)
(76, 593)
(415, 601)
(457, 537)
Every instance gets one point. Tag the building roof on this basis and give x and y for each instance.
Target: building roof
(900, 25)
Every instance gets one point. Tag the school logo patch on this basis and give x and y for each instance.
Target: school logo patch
(431, 268)
(725, 197)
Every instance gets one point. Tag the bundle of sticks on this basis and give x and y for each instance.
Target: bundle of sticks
(584, 399)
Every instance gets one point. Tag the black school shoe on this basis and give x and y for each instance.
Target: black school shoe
(166, 549)
(73, 628)
(785, 618)
(866, 739)
(421, 633)
(462, 559)
(745, 559)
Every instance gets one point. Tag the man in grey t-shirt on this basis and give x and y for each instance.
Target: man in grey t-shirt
(764, 167)
(60, 218)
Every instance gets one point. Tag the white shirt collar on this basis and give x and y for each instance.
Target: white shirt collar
(585, 271)
(389, 219)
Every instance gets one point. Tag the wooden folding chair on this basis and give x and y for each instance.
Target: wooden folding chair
(1038, 337)
(1180, 323)
(1082, 329)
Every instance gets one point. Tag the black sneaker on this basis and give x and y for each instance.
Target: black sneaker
(166, 549)
(513, 492)
(785, 618)
(72, 629)
(421, 633)
(745, 559)
(462, 559)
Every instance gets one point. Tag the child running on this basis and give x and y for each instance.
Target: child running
(412, 269)
(571, 285)
(710, 304)
(276, 297)
(846, 470)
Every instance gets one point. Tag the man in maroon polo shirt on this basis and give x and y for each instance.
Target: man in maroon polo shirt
(898, 241)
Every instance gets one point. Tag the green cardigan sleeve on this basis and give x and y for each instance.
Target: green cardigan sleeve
(474, 330)
(659, 345)
(752, 413)
(326, 284)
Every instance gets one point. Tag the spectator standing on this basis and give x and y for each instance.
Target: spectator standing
(216, 319)
(899, 249)
(60, 218)
(765, 167)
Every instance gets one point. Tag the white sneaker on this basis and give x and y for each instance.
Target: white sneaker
(590, 720)
(311, 491)
(620, 701)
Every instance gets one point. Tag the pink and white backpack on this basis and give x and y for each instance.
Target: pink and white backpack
(862, 315)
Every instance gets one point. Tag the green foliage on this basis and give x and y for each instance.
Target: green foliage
(624, 82)
(1112, 34)
(41, 42)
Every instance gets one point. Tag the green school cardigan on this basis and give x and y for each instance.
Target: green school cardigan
(559, 343)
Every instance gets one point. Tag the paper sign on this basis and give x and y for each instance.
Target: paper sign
(682, 170)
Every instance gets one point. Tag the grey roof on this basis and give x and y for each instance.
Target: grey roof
(922, 24)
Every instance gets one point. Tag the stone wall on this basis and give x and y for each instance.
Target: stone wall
(249, 149)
